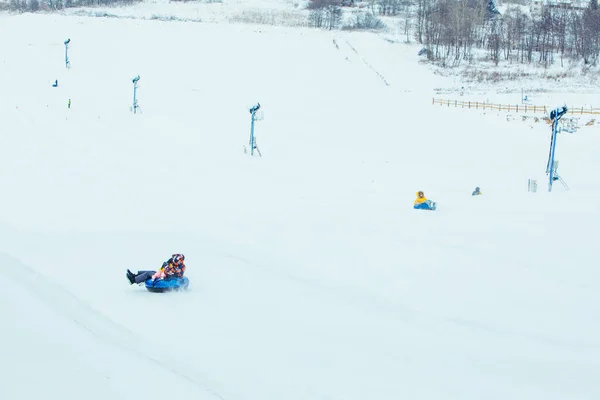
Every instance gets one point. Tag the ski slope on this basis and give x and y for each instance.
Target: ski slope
(311, 275)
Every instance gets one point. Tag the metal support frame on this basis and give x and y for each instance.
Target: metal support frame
(67, 62)
(254, 117)
(552, 166)
(135, 86)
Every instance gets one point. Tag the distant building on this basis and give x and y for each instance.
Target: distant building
(537, 5)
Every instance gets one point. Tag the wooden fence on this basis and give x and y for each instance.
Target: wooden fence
(524, 108)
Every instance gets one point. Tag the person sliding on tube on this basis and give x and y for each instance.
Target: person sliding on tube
(174, 267)
(421, 202)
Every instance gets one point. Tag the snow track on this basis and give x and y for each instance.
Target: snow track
(69, 347)
(368, 64)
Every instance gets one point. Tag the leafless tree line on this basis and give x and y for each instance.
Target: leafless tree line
(37, 5)
(328, 14)
(452, 29)
(325, 13)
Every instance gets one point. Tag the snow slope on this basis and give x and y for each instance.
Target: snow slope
(58, 346)
(311, 275)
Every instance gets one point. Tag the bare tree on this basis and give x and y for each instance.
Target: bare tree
(333, 15)
(316, 17)
(389, 7)
(424, 8)
(407, 20)
(590, 35)
(325, 13)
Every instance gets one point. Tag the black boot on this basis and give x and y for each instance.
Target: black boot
(130, 277)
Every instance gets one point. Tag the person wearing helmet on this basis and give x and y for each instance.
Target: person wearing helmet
(174, 267)
(477, 192)
(421, 202)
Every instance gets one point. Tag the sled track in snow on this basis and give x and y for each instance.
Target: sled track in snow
(367, 63)
(82, 314)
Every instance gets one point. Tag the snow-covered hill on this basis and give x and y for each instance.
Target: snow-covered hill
(311, 275)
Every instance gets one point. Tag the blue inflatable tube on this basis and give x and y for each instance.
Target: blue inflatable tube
(429, 205)
(167, 285)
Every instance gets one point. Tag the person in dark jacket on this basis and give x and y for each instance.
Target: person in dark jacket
(174, 267)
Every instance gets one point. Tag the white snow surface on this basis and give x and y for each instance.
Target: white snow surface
(312, 277)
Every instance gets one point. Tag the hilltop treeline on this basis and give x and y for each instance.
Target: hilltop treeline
(451, 30)
(50, 5)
